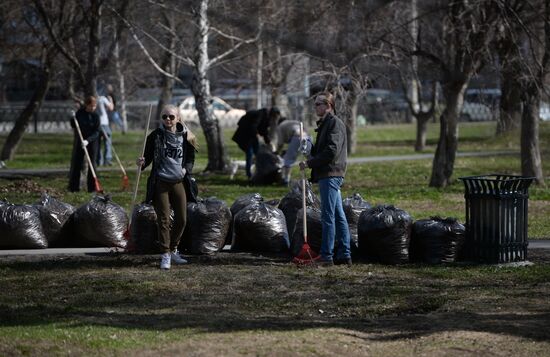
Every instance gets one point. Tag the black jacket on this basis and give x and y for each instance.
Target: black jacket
(88, 123)
(329, 154)
(153, 147)
(252, 123)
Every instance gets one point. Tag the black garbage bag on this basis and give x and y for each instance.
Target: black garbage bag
(353, 207)
(54, 216)
(243, 201)
(20, 227)
(436, 240)
(240, 203)
(291, 203)
(101, 222)
(274, 202)
(268, 167)
(144, 230)
(384, 233)
(314, 231)
(260, 227)
(208, 223)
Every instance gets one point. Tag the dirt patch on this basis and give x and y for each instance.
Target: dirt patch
(28, 186)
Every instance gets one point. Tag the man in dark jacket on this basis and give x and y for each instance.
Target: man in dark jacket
(253, 124)
(88, 121)
(328, 167)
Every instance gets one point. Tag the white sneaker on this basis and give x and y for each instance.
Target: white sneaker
(165, 261)
(176, 258)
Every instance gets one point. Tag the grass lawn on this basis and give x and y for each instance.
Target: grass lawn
(401, 183)
(250, 304)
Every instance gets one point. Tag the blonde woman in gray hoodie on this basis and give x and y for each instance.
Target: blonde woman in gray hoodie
(172, 155)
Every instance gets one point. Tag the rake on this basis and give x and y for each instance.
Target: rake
(306, 256)
(138, 175)
(125, 180)
(97, 186)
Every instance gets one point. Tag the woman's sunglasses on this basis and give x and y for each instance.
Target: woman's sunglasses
(171, 117)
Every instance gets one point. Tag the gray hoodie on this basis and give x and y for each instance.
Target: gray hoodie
(170, 166)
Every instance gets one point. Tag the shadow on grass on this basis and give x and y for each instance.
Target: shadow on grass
(234, 292)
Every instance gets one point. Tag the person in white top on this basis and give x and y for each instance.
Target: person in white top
(288, 132)
(105, 105)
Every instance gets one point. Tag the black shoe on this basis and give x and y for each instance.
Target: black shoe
(345, 261)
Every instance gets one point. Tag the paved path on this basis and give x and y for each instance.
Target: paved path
(533, 244)
(16, 173)
(360, 160)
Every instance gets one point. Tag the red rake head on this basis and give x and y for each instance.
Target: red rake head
(125, 183)
(306, 256)
(97, 186)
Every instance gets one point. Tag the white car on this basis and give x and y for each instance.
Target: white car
(472, 111)
(226, 114)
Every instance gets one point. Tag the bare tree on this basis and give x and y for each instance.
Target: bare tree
(47, 57)
(22, 122)
(467, 29)
(532, 79)
(64, 22)
(508, 50)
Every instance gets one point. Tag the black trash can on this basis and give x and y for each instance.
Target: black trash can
(496, 218)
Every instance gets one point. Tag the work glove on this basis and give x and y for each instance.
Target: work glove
(84, 143)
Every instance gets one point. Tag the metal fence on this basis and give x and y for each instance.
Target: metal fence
(54, 117)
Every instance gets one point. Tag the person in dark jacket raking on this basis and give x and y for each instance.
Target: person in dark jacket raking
(88, 120)
(171, 151)
(253, 124)
(327, 161)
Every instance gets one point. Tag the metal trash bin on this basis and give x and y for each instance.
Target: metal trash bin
(496, 218)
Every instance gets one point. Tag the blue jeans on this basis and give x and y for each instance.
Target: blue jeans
(333, 219)
(250, 153)
(106, 156)
(115, 118)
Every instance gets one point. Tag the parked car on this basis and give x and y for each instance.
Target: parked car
(472, 111)
(226, 114)
(383, 105)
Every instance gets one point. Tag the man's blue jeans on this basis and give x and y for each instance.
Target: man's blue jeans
(333, 219)
(250, 153)
(106, 156)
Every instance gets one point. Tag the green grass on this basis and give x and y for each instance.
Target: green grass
(401, 183)
(250, 304)
(261, 305)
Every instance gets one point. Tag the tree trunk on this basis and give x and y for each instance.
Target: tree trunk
(353, 103)
(510, 100)
(121, 87)
(445, 154)
(169, 65)
(421, 130)
(22, 122)
(510, 105)
(217, 159)
(259, 71)
(90, 87)
(531, 165)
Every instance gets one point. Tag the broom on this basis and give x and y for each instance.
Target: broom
(306, 256)
(138, 175)
(125, 181)
(97, 186)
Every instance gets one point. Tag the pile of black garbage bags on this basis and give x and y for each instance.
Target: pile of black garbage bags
(52, 223)
(381, 233)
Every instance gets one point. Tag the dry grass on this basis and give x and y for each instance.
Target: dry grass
(245, 304)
